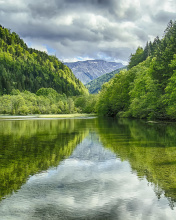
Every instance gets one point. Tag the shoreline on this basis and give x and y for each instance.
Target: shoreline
(46, 116)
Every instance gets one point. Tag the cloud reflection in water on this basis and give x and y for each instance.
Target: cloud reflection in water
(91, 184)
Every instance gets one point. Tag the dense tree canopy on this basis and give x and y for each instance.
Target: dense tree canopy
(45, 101)
(25, 68)
(147, 89)
(95, 85)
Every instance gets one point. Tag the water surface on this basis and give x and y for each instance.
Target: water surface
(87, 169)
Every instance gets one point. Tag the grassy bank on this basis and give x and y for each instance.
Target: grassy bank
(44, 116)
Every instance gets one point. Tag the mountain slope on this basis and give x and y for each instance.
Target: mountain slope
(94, 86)
(88, 70)
(147, 89)
(25, 68)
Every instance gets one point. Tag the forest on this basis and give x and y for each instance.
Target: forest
(148, 88)
(29, 69)
(95, 85)
(32, 82)
(45, 101)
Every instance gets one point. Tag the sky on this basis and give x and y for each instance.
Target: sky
(87, 29)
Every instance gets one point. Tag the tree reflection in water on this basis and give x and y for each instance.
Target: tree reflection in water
(88, 168)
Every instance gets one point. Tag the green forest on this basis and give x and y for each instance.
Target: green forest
(45, 101)
(28, 69)
(148, 88)
(95, 85)
(32, 82)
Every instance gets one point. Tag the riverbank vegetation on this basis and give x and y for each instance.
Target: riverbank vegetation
(45, 101)
(32, 82)
(147, 88)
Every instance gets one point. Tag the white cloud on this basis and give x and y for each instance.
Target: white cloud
(88, 28)
(39, 47)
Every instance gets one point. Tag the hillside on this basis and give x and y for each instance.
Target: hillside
(25, 68)
(94, 86)
(88, 70)
(147, 89)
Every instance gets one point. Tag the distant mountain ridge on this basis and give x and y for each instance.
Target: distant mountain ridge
(88, 70)
(95, 85)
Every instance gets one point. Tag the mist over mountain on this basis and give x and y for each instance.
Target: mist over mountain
(89, 70)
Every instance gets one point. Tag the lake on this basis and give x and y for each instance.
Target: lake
(87, 168)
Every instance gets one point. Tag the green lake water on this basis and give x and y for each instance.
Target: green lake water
(87, 168)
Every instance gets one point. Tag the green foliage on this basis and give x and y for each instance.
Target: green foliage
(147, 89)
(170, 95)
(45, 101)
(144, 93)
(114, 96)
(86, 104)
(151, 49)
(95, 85)
(47, 92)
(25, 68)
(136, 58)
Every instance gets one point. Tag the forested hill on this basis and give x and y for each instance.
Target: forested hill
(95, 85)
(148, 88)
(25, 68)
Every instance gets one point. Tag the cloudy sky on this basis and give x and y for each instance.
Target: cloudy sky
(87, 29)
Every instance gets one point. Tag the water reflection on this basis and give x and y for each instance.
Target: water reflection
(149, 148)
(29, 147)
(113, 170)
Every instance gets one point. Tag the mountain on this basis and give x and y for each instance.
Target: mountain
(88, 70)
(25, 68)
(94, 86)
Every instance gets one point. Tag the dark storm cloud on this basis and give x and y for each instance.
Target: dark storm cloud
(41, 9)
(106, 7)
(44, 8)
(111, 8)
(87, 28)
(163, 16)
(73, 33)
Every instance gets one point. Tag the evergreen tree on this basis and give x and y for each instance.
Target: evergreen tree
(147, 89)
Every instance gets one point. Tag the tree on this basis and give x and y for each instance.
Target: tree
(38, 68)
(144, 93)
(136, 58)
